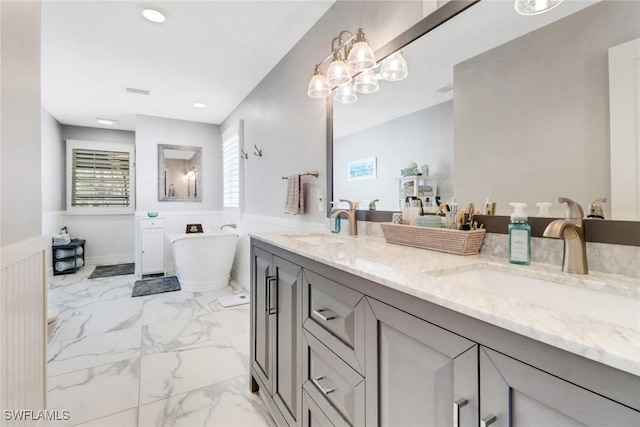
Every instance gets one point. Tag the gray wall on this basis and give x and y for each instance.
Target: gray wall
(53, 165)
(98, 134)
(426, 137)
(20, 122)
(289, 126)
(532, 116)
(151, 131)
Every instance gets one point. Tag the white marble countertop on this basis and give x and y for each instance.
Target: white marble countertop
(423, 274)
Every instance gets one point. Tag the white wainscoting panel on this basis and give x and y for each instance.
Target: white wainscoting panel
(23, 328)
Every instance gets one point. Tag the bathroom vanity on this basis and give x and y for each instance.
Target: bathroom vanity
(355, 331)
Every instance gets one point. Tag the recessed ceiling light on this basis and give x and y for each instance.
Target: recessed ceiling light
(200, 105)
(153, 15)
(107, 121)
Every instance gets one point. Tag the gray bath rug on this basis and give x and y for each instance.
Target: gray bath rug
(112, 270)
(155, 286)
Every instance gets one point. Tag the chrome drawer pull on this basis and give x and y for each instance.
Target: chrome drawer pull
(324, 391)
(456, 410)
(488, 420)
(331, 315)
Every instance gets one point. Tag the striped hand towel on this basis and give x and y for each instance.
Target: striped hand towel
(295, 196)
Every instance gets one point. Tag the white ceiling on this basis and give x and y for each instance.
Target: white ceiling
(214, 52)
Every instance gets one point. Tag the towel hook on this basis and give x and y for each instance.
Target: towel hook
(258, 151)
(243, 154)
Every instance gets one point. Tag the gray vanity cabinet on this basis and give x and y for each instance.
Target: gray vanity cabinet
(417, 374)
(276, 341)
(514, 393)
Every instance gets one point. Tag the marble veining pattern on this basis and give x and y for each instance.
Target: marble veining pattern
(419, 273)
(168, 359)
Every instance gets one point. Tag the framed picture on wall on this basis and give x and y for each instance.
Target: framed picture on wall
(362, 169)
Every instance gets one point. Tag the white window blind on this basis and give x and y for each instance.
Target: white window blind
(231, 171)
(100, 178)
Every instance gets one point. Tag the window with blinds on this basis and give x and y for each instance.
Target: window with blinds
(232, 143)
(100, 178)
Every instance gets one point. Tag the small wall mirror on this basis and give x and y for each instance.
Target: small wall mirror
(179, 173)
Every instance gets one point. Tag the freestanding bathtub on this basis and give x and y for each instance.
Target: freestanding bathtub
(204, 260)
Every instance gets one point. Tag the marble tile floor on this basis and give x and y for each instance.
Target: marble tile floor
(172, 359)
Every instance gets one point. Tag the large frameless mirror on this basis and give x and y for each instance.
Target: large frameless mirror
(179, 173)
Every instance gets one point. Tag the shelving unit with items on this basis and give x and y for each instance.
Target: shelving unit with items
(416, 186)
(68, 258)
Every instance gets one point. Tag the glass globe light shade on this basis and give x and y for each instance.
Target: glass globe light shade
(338, 72)
(318, 86)
(361, 57)
(394, 67)
(366, 82)
(534, 7)
(345, 94)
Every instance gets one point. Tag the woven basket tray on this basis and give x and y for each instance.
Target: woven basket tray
(438, 239)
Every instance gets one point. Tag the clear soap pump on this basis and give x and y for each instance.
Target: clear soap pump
(519, 236)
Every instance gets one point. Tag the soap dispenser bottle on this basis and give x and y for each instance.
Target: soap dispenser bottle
(519, 236)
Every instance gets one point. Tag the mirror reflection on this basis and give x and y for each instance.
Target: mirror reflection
(516, 108)
(179, 170)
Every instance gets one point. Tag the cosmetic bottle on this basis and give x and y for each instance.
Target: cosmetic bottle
(519, 236)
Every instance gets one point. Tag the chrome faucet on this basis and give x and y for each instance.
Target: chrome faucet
(574, 259)
(372, 204)
(229, 225)
(351, 215)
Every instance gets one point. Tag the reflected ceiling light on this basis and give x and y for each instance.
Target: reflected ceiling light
(534, 7)
(153, 15)
(107, 121)
(200, 105)
(318, 86)
(345, 94)
(366, 82)
(394, 67)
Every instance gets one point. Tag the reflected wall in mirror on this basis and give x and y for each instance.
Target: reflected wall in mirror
(499, 105)
(179, 173)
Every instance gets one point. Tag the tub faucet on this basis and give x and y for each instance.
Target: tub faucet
(372, 204)
(229, 225)
(571, 229)
(351, 215)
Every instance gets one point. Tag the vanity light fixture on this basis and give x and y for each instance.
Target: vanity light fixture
(200, 105)
(107, 121)
(535, 7)
(153, 15)
(360, 63)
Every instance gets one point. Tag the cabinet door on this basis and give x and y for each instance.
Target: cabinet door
(261, 323)
(287, 295)
(152, 250)
(516, 394)
(417, 374)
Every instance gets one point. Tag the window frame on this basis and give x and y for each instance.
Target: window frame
(235, 129)
(100, 146)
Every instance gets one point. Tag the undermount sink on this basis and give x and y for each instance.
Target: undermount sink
(611, 308)
(315, 238)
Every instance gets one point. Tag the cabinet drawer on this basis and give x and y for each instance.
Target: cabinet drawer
(312, 415)
(335, 315)
(335, 387)
(152, 223)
